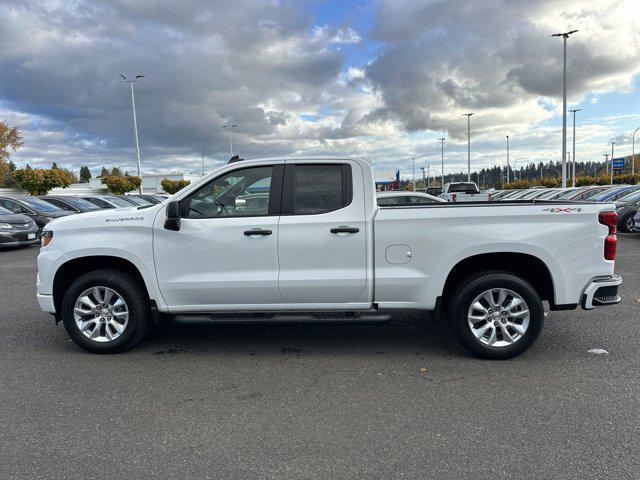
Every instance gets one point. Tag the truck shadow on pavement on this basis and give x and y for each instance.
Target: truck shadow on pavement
(405, 333)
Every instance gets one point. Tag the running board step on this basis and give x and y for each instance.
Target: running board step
(284, 318)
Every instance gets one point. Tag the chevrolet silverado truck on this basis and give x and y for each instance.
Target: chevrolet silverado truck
(303, 239)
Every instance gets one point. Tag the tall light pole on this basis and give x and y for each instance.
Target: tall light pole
(569, 163)
(468, 115)
(564, 103)
(442, 158)
(507, 158)
(413, 172)
(424, 180)
(135, 122)
(633, 151)
(574, 145)
(229, 127)
(612, 144)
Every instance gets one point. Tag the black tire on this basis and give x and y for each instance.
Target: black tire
(624, 227)
(133, 294)
(466, 293)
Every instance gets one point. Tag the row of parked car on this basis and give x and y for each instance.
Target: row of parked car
(626, 198)
(23, 216)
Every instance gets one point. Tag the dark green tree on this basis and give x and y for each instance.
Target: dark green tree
(85, 174)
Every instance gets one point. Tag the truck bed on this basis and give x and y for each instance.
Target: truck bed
(433, 239)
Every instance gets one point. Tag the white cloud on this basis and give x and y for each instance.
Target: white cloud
(267, 67)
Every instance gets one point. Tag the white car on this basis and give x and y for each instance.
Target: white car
(406, 198)
(321, 244)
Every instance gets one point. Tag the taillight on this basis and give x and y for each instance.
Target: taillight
(610, 219)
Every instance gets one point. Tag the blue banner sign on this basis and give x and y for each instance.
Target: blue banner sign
(618, 162)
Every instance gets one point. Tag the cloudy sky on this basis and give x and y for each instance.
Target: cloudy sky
(384, 79)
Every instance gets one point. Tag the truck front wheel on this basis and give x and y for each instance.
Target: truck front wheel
(106, 311)
(496, 315)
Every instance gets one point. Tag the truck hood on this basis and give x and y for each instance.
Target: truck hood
(104, 218)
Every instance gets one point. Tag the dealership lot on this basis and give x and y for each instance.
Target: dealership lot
(399, 400)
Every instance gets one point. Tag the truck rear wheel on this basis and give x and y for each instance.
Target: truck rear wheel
(496, 315)
(106, 311)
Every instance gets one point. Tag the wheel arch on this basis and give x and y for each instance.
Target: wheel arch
(74, 268)
(524, 265)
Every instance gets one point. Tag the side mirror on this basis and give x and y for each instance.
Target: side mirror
(172, 220)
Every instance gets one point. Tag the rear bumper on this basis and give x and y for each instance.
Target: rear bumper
(601, 292)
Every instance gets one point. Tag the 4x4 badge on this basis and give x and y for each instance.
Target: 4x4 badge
(562, 210)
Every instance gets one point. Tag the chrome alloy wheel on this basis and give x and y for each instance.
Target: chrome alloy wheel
(498, 317)
(101, 314)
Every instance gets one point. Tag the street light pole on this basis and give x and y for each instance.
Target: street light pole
(564, 103)
(135, 123)
(442, 159)
(612, 144)
(574, 144)
(413, 172)
(633, 151)
(468, 115)
(424, 180)
(507, 158)
(229, 127)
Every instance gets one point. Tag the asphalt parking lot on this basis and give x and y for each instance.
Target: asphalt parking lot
(399, 400)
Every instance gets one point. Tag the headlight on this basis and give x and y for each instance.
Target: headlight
(46, 237)
(5, 225)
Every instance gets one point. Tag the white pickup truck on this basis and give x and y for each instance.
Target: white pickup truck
(459, 192)
(303, 239)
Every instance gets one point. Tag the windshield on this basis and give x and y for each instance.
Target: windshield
(567, 194)
(40, 205)
(631, 198)
(137, 200)
(119, 202)
(541, 193)
(80, 203)
(594, 193)
(4, 211)
(463, 188)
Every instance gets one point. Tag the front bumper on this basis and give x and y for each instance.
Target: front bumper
(46, 303)
(16, 238)
(601, 292)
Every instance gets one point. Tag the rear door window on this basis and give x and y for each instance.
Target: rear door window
(314, 189)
